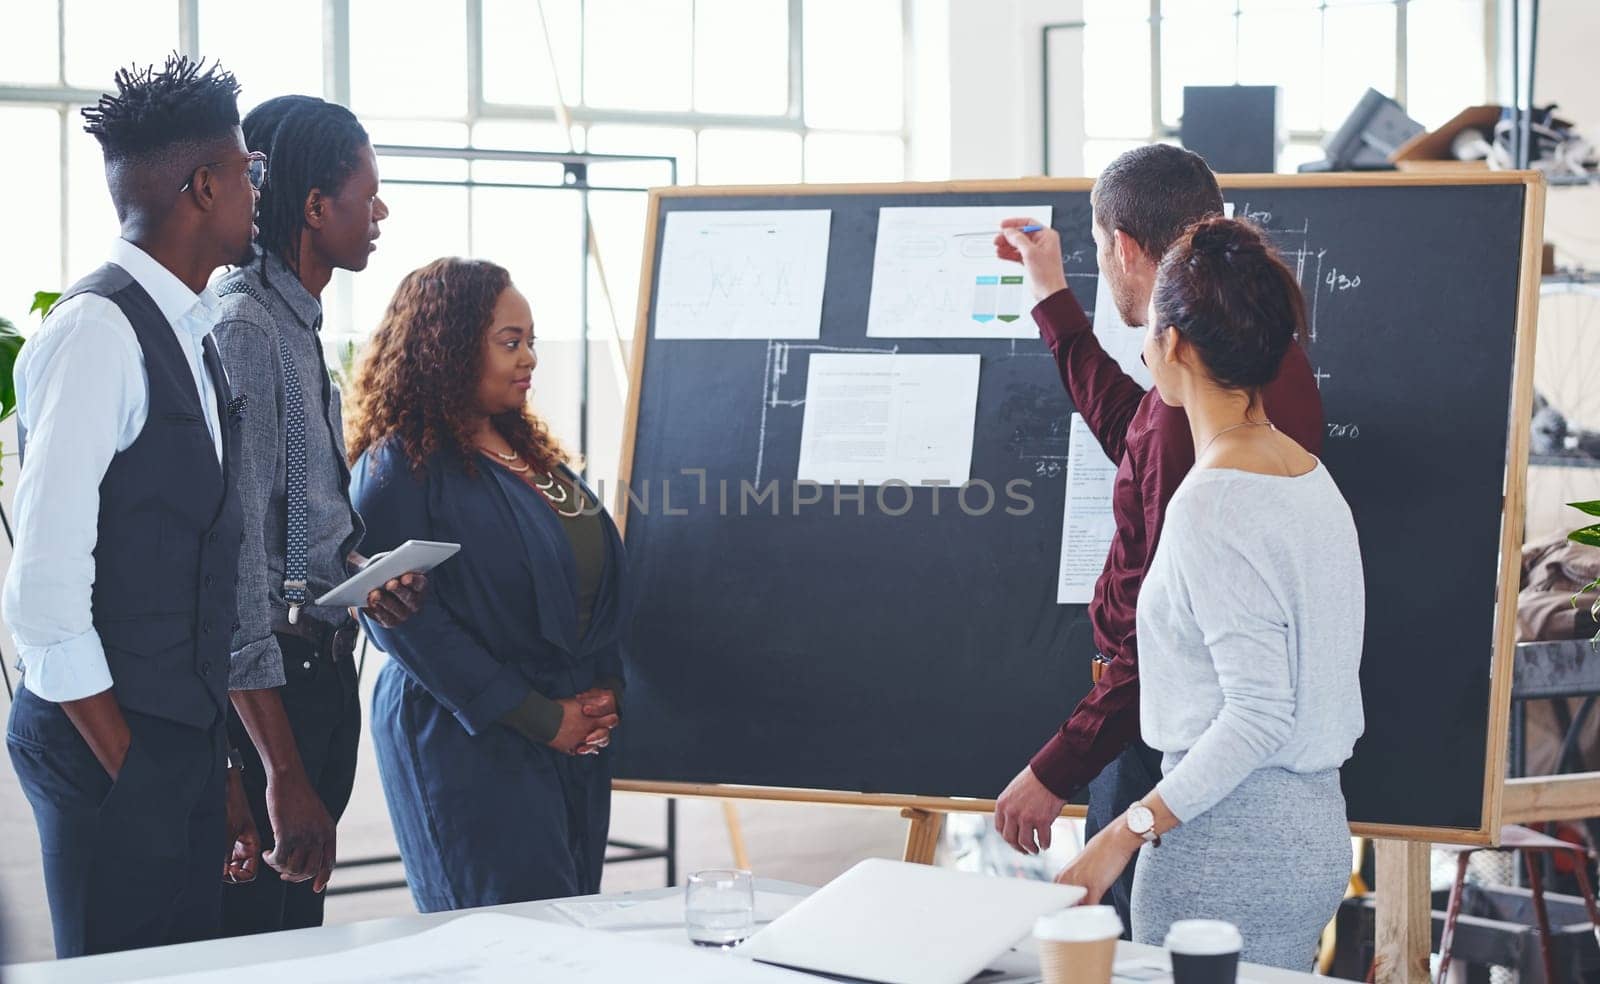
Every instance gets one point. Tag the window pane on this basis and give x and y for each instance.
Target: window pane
(91, 221)
(30, 43)
(1195, 50)
(1095, 11)
(271, 56)
(748, 157)
(519, 135)
(1296, 154)
(105, 35)
(619, 219)
(854, 64)
(537, 234)
(636, 55)
(1098, 153)
(515, 64)
(1444, 59)
(1280, 46)
(1116, 79)
(416, 133)
(30, 252)
(425, 224)
(741, 56)
(410, 65)
(848, 157)
(647, 140)
(1357, 53)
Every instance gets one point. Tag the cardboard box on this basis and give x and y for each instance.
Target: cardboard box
(1430, 151)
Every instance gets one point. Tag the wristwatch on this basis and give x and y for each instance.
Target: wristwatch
(1142, 821)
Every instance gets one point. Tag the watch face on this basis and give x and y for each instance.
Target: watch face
(1140, 819)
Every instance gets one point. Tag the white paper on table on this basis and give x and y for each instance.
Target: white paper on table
(931, 281)
(492, 947)
(746, 274)
(665, 911)
(1087, 525)
(1122, 343)
(881, 418)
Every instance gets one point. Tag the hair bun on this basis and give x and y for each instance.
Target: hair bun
(1224, 238)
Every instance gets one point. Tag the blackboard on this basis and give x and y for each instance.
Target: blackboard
(923, 655)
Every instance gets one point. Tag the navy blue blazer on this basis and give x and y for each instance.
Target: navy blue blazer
(501, 616)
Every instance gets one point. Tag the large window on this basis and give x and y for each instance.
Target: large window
(1434, 56)
(738, 91)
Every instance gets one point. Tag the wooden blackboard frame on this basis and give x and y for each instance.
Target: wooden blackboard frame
(926, 811)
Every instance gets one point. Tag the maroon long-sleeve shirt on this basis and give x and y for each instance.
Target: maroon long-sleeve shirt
(1153, 449)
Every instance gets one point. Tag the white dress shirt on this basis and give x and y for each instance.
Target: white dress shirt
(82, 396)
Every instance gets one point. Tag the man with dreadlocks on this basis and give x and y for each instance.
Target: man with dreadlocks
(121, 591)
(297, 714)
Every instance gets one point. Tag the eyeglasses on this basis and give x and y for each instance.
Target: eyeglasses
(255, 162)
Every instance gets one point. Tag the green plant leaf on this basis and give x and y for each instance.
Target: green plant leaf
(10, 344)
(43, 301)
(1589, 535)
(1592, 507)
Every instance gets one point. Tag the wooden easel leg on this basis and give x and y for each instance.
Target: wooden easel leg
(922, 839)
(730, 817)
(1405, 916)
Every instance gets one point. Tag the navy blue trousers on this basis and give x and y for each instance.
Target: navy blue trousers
(489, 818)
(132, 863)
(1119, 785)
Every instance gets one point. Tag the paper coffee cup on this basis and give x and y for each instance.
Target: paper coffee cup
(1204, 951)
(1078, 945)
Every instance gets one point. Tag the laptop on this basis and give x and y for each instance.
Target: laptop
(890, 922)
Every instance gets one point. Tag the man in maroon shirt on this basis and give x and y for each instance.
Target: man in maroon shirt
(1141, 203)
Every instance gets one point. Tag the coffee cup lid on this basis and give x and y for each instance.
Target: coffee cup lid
(1080, 924)
(1204, 937)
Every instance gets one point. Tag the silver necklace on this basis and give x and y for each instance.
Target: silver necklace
(1247, 423)
(512, 461)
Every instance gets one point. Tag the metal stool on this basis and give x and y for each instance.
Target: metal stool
(1533, 845)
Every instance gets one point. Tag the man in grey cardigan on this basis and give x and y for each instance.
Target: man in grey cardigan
(297, 715)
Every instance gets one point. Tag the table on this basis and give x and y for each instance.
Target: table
(1020, 965)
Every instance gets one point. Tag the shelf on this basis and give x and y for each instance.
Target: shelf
(1563, 461)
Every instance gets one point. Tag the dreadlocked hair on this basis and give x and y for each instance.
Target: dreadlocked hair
(418, 379)
(153, 111)
(309, 143)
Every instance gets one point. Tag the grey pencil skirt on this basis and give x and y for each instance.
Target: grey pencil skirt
(1273, 858)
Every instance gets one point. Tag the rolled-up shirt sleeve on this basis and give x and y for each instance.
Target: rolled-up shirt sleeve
(81, 398)
(250, 353)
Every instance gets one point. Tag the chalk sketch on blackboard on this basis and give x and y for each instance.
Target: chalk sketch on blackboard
(876, 419)
(931, 278)
(776, 370)
(743, 274)
(1037, 420)
(1087, 525)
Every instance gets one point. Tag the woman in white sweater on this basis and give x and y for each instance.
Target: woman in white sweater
(1250, 629)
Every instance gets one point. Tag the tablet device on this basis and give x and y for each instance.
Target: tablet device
(412, 556)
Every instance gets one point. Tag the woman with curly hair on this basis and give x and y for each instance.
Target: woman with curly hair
(493, 717)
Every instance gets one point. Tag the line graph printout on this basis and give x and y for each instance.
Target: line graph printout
(746, 274)
(935, 275)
